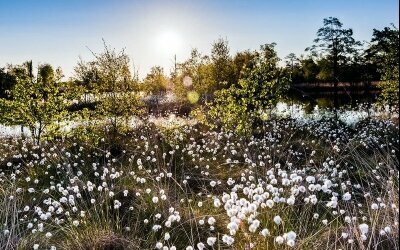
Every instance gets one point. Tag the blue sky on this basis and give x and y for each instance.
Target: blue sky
(61, 31)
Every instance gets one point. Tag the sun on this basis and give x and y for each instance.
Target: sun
(168, 42)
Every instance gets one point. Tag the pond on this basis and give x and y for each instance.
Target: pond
(302, 113)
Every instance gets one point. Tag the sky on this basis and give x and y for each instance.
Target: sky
(60, 32)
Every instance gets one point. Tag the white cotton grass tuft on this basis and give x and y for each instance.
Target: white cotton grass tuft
(277, 220)
(279, 240)
(363, 228)
(233, 195)
(211, 241)
(346, 196)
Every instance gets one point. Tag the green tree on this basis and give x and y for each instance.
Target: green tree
(309, 69)
(85, 79)
(155, 83)
(222, 64)
(293, 68)
(292, 61)
(325, 70)
(384, 52)
(196, 76)
(242, 62)
(7, 82)
(114, 88)
(337, 45)
(155, 86)
(36, 102)
(242, 105)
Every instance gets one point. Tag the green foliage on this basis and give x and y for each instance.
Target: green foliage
(390, 89)
(324, 103)
(207, 74)
(310, 69)
(325, 73)
(241, 105)
(242, 62)
(195, 77)
(384, 52)
(7, 82)
(335, 43)
(337, 47)
(155, 82)
(109, 79)
(179, 89)
(222, 64)
(86, 76)
(37, 103)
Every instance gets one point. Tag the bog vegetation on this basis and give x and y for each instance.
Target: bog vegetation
(209, 157)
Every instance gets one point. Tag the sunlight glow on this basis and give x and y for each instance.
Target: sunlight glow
(168, 42)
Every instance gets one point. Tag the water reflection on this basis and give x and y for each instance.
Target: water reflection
(301, 112)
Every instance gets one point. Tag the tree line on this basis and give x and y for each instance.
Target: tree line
(237, 87)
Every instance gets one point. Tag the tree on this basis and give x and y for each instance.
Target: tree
(85, 79)
(155, 82)
(384, 52)
(325, 70)
(222, 64)
(242, 62)
(114, 88)
(7, 82)
(293, 68)
(309, 69)
(196, 76)
(155, 85)
(243, 104)
(337, 45)
(292, 61)
(36, 102)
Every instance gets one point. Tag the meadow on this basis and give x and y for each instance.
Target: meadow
(294, 183)
(226, 151)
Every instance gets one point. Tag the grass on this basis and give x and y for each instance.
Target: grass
(127, 191)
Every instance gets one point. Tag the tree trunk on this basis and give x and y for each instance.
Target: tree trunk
(33, 134)
(22, 132)
(367, 93)
(335, 85)
(39, 133)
